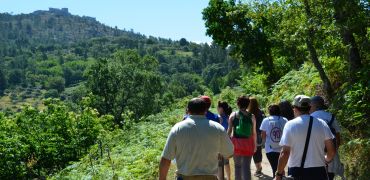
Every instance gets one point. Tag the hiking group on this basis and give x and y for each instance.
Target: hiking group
(202, 143)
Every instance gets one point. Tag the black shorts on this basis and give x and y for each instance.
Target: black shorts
(257, 157)
(317, 173)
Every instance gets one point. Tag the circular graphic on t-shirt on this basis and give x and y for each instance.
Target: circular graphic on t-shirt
(275, 134)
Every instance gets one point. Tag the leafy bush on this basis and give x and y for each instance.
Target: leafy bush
(254, 83)
(230, 95)
(355, 154)
(351, 106)
(34, 144)
(52, 93)
(305, 81)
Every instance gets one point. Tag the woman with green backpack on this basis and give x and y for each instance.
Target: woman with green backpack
(242, 129)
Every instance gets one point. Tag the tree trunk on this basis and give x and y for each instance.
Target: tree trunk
(314, 58)
(354, 58)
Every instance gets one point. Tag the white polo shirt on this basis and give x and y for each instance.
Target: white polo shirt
(195, 143)
(294, 136)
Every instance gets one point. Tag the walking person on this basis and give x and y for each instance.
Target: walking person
(272, 129)
(224, 111)
(242, 129)
(318, 111)
(256, 111)
(303, 142)
(196, 143)
(209, 115)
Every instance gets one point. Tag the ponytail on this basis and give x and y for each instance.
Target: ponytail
(227, 109)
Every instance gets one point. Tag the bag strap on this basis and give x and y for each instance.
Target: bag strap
(331, 120)
(307, 142)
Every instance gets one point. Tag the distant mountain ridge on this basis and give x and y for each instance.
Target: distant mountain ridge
(48, 51)
(54, 26)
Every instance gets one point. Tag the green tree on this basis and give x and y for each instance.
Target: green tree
(313, 53)
(126, 82)
(230, 23)
(183, 42)
(57, 83)
(350, 18)
(15, 76)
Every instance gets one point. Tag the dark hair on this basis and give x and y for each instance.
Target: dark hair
(208, 105)
(243, 102)
(197, 106)
(227, 109)
(286, 109)
(319, 102)
(274, 110)
(253, 106)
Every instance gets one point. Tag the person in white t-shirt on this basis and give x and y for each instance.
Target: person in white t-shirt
(293, 143)
(271, 131)
(318, 111)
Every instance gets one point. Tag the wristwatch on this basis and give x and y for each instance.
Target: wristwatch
(279, 174)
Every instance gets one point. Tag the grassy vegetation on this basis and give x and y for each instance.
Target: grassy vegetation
(135, 153)
(14, 99)
(132, 153)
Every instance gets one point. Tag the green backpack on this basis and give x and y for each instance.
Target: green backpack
(242, 125)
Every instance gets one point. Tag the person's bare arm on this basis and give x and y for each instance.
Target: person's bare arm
(230, 128)
(164, 166)
(283, 160)
(254, 132)
(263, 135)
(337, 137)
(330, 150)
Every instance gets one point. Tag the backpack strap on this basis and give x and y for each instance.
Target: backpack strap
(307, 142)
(331, 120)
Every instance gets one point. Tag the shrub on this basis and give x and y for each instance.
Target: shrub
(305, 81)
(126, 154)
(351, 106)
(356, 157)
(41, 143)
(230, 95)
(52, 93)
(254, 83)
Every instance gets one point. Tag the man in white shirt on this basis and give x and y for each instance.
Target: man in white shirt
(294, 139)
(318, 111)
(195, 144)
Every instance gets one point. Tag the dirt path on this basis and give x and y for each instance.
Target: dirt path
(266, 169)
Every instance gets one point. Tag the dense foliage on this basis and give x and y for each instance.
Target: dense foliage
(333, 35)
(130, 154)
(36, 144)
(53, 49)
(126, 83)
(121, 91)
(124, 75)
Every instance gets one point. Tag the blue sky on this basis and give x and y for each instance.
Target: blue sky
(160, 18)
